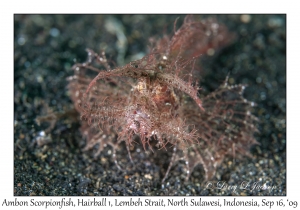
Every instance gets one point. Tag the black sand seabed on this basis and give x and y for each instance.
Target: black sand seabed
(45, 47)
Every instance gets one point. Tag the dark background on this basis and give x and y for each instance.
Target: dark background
(46, 47)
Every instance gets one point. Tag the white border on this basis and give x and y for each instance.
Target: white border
(237, 6)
